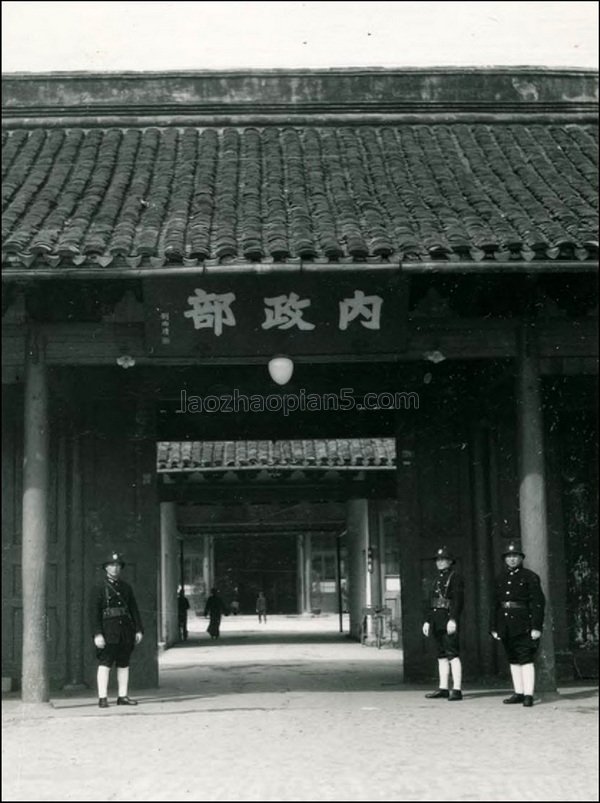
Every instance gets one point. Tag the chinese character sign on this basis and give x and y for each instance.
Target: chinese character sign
(260, 315)
(286, 311)
(367, 308)
(210, 310)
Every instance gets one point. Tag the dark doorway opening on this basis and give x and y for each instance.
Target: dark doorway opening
(250, 564)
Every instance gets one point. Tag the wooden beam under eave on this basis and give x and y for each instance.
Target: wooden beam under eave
(459, 339)
(216, 492)
(121, 271)
(94, 343)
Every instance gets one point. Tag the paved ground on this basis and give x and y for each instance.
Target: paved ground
(281, 714)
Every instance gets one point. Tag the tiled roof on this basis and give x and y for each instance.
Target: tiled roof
(288, 454)
(189, 196)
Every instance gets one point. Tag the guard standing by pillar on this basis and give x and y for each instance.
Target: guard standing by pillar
(517, 621)
(117, 627)
(442, 621)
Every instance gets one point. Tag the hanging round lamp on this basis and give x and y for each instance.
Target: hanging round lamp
(281, 369)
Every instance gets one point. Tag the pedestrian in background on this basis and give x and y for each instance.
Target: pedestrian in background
(214, 610)
(117, 628)
(517, 621)
(235, 602)
(442, 617)
(261, 607)
(183, 606)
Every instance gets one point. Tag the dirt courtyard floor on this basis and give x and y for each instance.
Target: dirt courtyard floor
(277, 713)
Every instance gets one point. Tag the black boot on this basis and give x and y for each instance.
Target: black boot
(514, 699)
(103, 702)
(527, 700)
(455, 694)
(439, 694)
(126, 701)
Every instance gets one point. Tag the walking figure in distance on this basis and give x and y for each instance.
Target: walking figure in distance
(261, 607)
(117, 628)
(442, 621)
(183, 606)
(214, 610)
(235, 602)
(517, 621)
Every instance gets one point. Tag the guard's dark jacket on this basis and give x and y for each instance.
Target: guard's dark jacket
(446, 599)
(115, 612)
(521, 587)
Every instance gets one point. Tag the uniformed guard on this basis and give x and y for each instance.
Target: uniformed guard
(445, 606)
(517, 620)
(117, 628)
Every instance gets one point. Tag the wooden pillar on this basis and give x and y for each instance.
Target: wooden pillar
(308, 572)
(338, 578)
(301, 575)
(375, 544)
(35, 682)
(366, 553)
(181, 564)
(557, 539)
(532, 492)
(163, 583)
(208, 565)
(77, 605)
(170, 575)
(410, 571)
(356, 563)
(484, 556)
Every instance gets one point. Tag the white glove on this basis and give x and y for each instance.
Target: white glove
(536, 634)
(495, 635)
(138, 637)
(99, 641)
(426, 629)
(451, 627)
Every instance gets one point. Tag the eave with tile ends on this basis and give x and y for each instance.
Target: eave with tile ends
(333, 453)
(262, 191)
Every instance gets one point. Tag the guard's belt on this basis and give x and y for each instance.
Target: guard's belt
(109, 613)
(511, 604)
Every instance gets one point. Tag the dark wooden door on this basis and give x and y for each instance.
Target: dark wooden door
(12, 500)
(12, 516)
(121, 512)
(434, 509)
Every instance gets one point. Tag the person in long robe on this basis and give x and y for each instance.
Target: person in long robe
(214, 610)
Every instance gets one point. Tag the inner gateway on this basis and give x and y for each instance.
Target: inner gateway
(300, 554)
